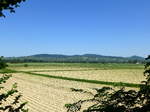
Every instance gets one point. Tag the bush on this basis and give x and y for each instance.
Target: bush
(14, 105)
(2, 63)
(26, 65)
(107, 99)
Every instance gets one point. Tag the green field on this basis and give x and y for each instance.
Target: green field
(82, 65)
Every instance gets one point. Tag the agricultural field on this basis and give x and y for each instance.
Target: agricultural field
(47, 86)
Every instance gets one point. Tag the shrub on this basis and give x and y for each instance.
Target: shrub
(26, 65)
(2, 63)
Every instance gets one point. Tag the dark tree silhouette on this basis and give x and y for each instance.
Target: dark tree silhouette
(14, 105)
(3, 64)
(107, 99)
(9, 5)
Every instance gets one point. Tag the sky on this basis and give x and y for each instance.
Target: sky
(106, 27)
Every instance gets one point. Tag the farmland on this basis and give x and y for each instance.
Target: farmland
(46, 86)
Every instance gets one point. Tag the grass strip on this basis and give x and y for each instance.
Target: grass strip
(121, 84)
(3, 71)
(62, 70)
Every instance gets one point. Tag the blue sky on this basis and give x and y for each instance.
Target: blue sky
(106, 27)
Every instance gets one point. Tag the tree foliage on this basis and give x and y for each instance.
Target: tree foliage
(2, 63)
(107, 99)
(13, 105)
(5, 105)
(9, 5)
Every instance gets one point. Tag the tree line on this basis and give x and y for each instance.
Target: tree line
(75, 60)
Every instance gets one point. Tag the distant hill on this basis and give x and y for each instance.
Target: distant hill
(48, 56)
(85, 58)
(136, 57)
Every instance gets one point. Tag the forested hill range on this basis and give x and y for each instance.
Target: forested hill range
(86, 58)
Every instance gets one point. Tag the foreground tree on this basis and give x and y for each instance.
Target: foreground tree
(10, 95)
(13, 105)
(9, 5)
(107, 99)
